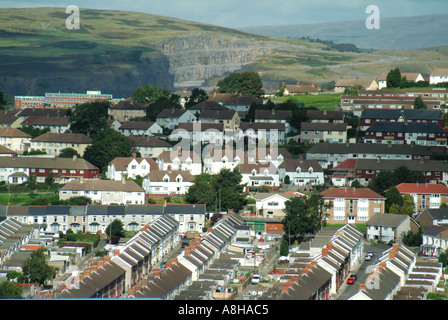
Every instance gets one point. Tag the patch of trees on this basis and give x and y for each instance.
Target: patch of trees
(248, 82)
(304, 216)
(342, 47)
(219, 192)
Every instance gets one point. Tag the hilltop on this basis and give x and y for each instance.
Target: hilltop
(116, 51)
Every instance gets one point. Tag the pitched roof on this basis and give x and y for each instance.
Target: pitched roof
(171, 113)
(353, 82)
(63, 138)
(233, 99)
(46, 163)
(375, 148)
(301, 88)
(273, 114)
(136, 125)
(308, 126)
(439, 72)
(262, 126)
(45, 121)
(422, 188)
(208, 105)
(121, 163)
(102, 185)
(201, 126)
(291, 165)
(417, 165)
(325, 114)
(354, 193)
(169, 156)
(159, 175)
(387, 219)
(42, 112)
(217, 114)
(405, 127)
(128, 104)
(13, 133)
(409, 114)
(149, 142)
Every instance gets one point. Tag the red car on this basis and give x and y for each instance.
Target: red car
(351, 279)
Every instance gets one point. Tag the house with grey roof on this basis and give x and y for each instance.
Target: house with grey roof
(171, 118)
(301, 172)
(333, 154)
(433, 217)
(387, 227)
(140, 128)
(435, 240)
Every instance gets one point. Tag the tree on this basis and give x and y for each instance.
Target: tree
(413, 239)
(284, 248)
(201, 193)
(33, 131)
(418, 103)
(169, 101)
(32, 182)
(304, 215)
(353, 91)
(228, 190)
(49, 179)
(36, 269)
(115, 230)
(197, 96)
(147, 94)
(106, 146)
(248, 82)
(68, 153)
(89, 118)
(393, 78)
(10, 290)
(78, 201)
(393, 196)
(386, 179)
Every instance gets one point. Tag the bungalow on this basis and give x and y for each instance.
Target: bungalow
(54, 143)
(167, 182)
(410, 76)
(130, 167)
(323, 132)
(352, 205)
(14, 139)
(425, 195)
(301, 172)
(388, 227)
(140, 128)
(149, 147)
(438, 75)
(367, 84)
(298, 88)
(171, 118)
(104, 191)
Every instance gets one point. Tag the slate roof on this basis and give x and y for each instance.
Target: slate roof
(272, 114)
(375, 148)
(136, 125)
(405, 127)
(409, 114)
(171, 113)
(386, 220)
(149, 142)
(102, 185)
(207, 105)
(128, 104)
(308, 126)
(63, 138)
(291, 165)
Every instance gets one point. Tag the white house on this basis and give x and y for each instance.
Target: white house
(387, 227)
(140, 128)
(301, 172)
(130, 167)
(167, 182)
(438, 75)
(410, 76)
(180, 160)
(272, 204)
(435, 240)
(104, 191)
(217, 159)
(15, 139)
(257, 175)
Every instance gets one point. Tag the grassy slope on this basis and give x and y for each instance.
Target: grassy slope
(36, 41)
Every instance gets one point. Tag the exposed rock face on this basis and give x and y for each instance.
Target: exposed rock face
(195, 58)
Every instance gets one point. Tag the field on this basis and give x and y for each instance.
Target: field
(321, 101)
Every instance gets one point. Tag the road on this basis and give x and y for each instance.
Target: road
(361, 272)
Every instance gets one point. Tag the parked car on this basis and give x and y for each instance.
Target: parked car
(370, 253)
(352, 279)
(367, 257)
(256, 279)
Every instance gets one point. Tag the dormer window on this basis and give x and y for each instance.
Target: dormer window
(310, 170)
(299, 170)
